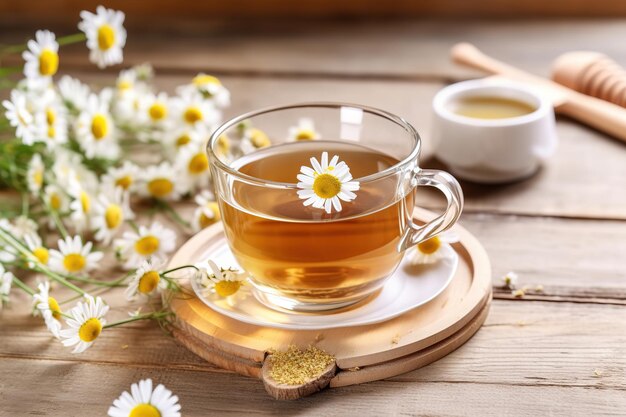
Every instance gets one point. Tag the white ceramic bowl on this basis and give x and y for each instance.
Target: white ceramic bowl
(493, 150)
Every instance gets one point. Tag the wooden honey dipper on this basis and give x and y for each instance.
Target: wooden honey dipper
(599, 114)
(591, 73)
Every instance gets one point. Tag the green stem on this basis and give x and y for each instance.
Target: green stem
(94, 282)
(25, 204)
(173, 214)
(20, 284)
(177, 268)
(133, 224)
(70, 39)
(55, 218)
(148, 316)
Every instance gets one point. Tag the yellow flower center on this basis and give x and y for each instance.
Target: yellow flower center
(202, 79)
(226, 288)
(305, 134)
(259, 139)
(99, 126)
(51, 116)
(113, 216)
(148, 282)
(144, 410)
(198, 164)
(429, 246)
(41, 254)
(38, 178)
(125, 182)
(223, 144)
(74, 262)
(85, 202)
(55, 201)
(90, 330)
(192, 115)
(157, 111)
(326, 186)
(182, 140)
(206, 221)
(48, 62)
(51, 132)
(106, 37)
(160, 187)
(147, 245)
(54, 308)
(124, 85)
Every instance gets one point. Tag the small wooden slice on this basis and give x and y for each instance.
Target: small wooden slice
(292, 392)
(362, 353)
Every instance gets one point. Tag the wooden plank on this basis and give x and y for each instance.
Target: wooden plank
(359, 48)
(525, 361)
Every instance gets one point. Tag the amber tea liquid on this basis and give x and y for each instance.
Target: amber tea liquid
(304, 253)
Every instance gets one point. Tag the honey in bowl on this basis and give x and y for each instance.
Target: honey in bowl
(486, 107)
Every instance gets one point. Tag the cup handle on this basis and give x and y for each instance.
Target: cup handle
(450, 187)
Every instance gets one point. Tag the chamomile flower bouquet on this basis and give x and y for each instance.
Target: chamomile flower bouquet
(83, 170)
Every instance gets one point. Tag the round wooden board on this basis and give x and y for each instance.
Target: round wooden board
(363, 353)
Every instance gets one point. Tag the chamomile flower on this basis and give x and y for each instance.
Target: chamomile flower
(95, 130)
(510, 280)
(6, 279)
(36, 247)
(224, 282)
(211, 88)
(432, 250)
(35, 174)
(42, 58)
(177, 140)
(49, 308)
(143, 401)
(51, 121)
(207, 213)
(305, 130)
(20, 117)
(147, 242)
(73, 92)
(85, 323)
(106, 36)
(147, 279)
(55, 198)
(124, 177)
(195, 112)
(8, 253)
(111, 210)
(193, 164)
(23, 226)
(162, 182)
(73, 257)
(155, 110)
(81, 206)
(326, 183)
(253, 139)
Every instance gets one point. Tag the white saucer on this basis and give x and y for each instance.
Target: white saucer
(409, 287)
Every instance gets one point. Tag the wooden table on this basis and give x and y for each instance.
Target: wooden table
(560, 351)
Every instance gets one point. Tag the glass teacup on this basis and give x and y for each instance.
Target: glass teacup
(317, 200)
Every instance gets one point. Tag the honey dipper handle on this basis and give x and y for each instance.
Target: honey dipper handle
(600, 114)
(467, 54)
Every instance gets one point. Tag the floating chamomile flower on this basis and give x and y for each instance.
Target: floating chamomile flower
(95, 130)
(105, 35)
(73, 257)
(42, 58)
(147, 242)
(510, 280)
(6, 279)
(144, 402)
(224, 282)
(162, 182)
(147, 279)
(20, 117)
(432, 250)
(211, 88)
(34, 174)
(49, 308)
(36, 247)
(304, 131)
(326, 183)
(124, 177)
(111, 210)
(73, 92)
(85, 323)
(207, 213)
